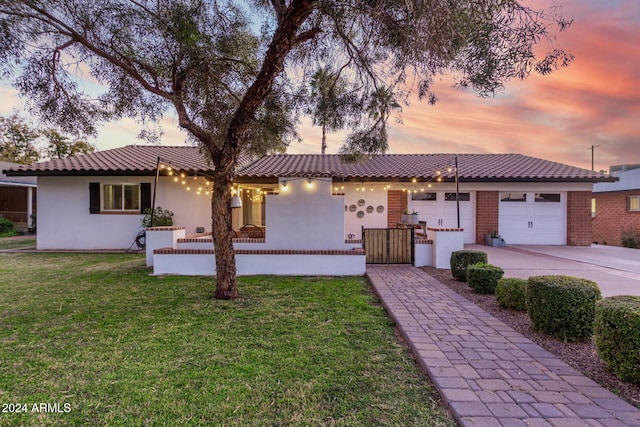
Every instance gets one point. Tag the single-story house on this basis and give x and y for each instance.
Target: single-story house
(17, 198)
(313, 202)
(616, 205)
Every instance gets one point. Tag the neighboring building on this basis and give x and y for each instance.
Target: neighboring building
(17, 198)
(616, 205)
(94, 201)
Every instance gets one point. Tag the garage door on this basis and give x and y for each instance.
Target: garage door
(439, 209)
(531, 218)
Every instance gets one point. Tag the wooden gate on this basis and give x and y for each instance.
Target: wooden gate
(388, 245)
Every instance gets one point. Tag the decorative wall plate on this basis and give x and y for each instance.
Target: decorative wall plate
(361, 202)
(380, 208)
(360, 214)
(369, 209)
(353, 208)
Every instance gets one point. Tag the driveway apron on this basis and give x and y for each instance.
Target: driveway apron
(487, 373)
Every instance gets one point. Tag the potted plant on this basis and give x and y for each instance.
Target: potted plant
(410, 218)
(493, 239)
(161, 217)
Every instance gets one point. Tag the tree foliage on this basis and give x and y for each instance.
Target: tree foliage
(18, 142)
(234, 72)
(22, 143)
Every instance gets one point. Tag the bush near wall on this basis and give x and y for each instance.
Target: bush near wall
(483, 278)
(562, 306)
(510, 293)
(7, 228)
(461, 259)
(617, 335)
(630, 238)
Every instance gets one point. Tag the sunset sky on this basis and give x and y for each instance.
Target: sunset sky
(596, 101)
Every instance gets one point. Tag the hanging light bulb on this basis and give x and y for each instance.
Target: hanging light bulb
(309, 182)
(414, 180)
(285, 186)
(371, 188)
(236, 201)
(175, 179)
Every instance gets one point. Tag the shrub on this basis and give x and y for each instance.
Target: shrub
(617, 335)
(461, 259)
(483, 278)
(510, 293)
(7, 228)
(631, 238)
(161, 217)
(562, 306)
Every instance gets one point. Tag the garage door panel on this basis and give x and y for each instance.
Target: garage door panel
(540, 220)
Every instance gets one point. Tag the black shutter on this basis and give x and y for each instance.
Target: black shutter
(145, 196)
(94, 197)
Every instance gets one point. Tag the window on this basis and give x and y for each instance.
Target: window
(424, 196)
(513, 197)
(633, 203)
(119, 198)
(116, 197)
(451, 197)
(593, 207)
(547, 198)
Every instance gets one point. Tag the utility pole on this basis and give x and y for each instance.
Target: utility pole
(593, 148)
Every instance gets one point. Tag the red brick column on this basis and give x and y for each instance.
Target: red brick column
(487, 205)
(579, 231)
(396, 203)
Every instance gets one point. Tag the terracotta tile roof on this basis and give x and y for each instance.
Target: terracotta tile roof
(471, 167)
(141, 160)
(129, 160)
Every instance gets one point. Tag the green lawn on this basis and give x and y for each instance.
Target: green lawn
(17, 244)
(119, 347)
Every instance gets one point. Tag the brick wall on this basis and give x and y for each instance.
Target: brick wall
(579, 218)
(612, 216)
(487, 205)
(396, 203)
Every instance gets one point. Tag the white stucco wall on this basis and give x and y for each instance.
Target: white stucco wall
(375, 198)
(64, 221)
(305, 217)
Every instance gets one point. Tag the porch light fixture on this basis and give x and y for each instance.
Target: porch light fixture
(236, 201)
(309, 182)
(285, 186)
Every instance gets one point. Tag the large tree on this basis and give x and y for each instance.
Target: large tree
(233, 71)
(18, 141)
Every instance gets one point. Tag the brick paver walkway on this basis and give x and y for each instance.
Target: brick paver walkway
(489, 374)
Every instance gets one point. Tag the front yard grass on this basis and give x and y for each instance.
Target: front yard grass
(17, 243)
(104, 343)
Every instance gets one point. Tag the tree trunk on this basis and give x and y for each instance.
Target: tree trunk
(226, 287)
(324, 138)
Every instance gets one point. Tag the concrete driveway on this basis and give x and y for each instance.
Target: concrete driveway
(616, 270)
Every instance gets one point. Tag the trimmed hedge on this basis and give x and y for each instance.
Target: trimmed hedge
(617, 335)
(461, 259)
(510, 293)
(483, 278)
(562, 306)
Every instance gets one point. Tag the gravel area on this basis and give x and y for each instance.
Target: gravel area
(580, 355)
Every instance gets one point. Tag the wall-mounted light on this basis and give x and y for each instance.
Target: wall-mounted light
(285, 186)
(309, 182)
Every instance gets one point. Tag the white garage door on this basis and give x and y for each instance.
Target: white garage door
(439, 209)
(531, 218)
